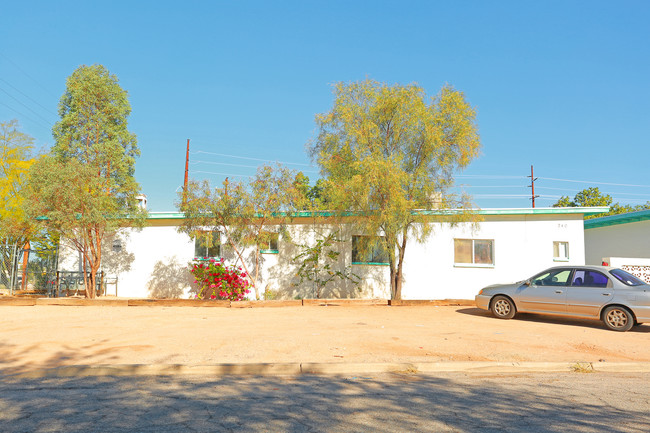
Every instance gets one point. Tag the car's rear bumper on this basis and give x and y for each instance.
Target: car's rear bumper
(482, 302)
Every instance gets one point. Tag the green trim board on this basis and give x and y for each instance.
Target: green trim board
(613, 220)
(594, 210)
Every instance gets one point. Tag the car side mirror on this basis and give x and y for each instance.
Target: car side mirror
(528, 282)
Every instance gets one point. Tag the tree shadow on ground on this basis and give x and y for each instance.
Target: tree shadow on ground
(385, 403)
(16, 360)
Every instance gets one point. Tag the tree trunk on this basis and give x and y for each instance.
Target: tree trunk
(26, 249)
(241, 259)
(87, 285)
(396, 274)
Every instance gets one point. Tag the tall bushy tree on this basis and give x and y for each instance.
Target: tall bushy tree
(16, 157)
(86, 189)
(16, 229)
(593, 197)
(243, 212)
(387, 151)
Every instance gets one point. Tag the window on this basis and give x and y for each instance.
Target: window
(474, 251)
(207, 244)
(368, 250)
(269, 243)
(116, 245)
(626, 277)
(560, 251)
(556, 277)
(589, 278)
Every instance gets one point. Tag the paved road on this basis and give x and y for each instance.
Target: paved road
(571, 402)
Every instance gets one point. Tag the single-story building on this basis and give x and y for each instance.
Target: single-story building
(623, 235)
(453, 262)
(620, 240)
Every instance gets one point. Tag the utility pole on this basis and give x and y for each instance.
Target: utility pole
(532, 185)
(187, 163)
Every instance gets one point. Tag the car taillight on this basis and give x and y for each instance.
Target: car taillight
(605, 264)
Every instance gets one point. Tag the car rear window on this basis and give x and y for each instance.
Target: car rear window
(626, 277)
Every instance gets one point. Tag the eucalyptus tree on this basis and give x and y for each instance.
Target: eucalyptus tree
(86, 188)
(390, 153)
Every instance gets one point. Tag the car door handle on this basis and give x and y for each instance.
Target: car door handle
(607, 294)
(558, 291)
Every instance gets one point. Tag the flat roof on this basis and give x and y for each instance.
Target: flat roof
(613, 220)
(594, 210)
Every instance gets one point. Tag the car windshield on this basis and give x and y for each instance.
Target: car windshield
(626, 277)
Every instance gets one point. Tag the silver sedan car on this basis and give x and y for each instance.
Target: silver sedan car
(612, 295)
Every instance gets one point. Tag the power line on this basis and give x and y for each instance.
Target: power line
(25, 73)
(237, 165)
(593, 182)
(249, 158)
(490, 176)
(27, 117)
(490, 186)
(220, 174)
(604, 192)
(223, 163)
(17, 100)
(34, 101)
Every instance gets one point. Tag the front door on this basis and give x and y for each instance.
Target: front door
(546, 292)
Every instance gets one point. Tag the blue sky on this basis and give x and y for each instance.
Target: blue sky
(561, 85)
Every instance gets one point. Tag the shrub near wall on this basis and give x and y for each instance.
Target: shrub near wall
(216, 280)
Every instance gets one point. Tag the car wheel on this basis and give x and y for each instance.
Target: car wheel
(503, 308)
(618, 318)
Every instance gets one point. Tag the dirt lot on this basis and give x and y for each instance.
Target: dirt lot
(51, 336)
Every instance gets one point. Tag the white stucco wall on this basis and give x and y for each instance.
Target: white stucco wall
(523, 246)
(621, 240)
(161, 255)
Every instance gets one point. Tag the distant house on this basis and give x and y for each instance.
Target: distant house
(623, 235)
(620, 240)
(453, 262)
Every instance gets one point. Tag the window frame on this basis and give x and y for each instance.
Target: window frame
(373, 253)
(634, 281)
(215, 235)
(583, 278)
(473, 264)
(272, 244)
(558, 258)
(552, 273)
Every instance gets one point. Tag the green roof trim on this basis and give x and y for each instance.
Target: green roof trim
(613, 220)
(500, 211)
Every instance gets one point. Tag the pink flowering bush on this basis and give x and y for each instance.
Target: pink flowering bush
(216, 280)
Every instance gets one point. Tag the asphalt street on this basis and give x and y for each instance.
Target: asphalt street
(453, 402)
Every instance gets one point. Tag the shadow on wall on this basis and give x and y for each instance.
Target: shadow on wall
(169, 280)
(248, 255)
(115, 257)
(283, 282)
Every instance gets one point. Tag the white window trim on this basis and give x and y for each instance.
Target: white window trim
(476, 265)
(561, 259)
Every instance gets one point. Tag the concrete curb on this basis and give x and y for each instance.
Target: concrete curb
(131, 302)
(315, 368)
